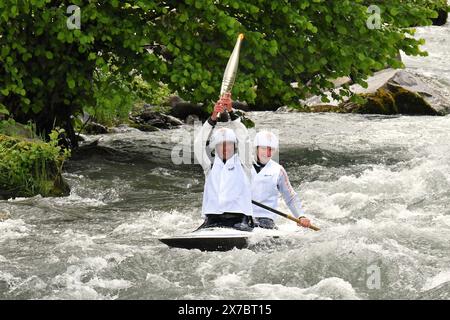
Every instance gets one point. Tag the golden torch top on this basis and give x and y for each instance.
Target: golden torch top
(229, 75)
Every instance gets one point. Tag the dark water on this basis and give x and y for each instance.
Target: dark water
(379, 187)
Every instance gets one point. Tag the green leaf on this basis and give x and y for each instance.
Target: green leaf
(71, 83)
(393, 11)
(183, 17)
(3, 109)
(325, 99)
(61, 36)
(198, 4)
(342, 30)
(5, 51)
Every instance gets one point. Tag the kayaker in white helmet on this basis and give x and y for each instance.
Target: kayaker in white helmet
(268, 180)
(227, 191)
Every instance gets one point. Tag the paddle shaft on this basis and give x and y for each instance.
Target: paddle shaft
(287, 216)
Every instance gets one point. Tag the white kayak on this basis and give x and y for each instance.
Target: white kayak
(216, 239)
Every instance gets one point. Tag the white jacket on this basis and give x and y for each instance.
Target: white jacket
(267, 184)
(227, 185)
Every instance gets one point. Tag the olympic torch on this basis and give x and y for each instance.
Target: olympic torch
(229, 76)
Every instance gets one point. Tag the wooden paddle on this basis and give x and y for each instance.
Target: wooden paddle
(287, 216)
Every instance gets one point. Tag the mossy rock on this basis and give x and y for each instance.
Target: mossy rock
(390, 100)
(138, 108)
(389, 92)
(156, 119)
(324, 108)
(182, 109)
(58, 186)
(380, 102)
(411, 103)
(95, 128)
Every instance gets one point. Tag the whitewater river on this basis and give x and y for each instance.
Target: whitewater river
(379, 187)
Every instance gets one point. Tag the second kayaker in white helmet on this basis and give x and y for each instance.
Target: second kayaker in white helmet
(227, 192)
(268, 180)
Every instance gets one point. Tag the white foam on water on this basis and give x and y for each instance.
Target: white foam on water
(114, 284)
(435, 281)
(117, 257)
(95, 263)
(75, 291)
(441, 219)
(52, 259)
(82, 281)
(24, 200)
(33, 284)
(140, 225)
(17, 285)
(13, 229)
(159, 171)
(352, 193)
(231, 281)
(75, 200)
(260, 234)
(10, 279)
(158, 223)
(160, 282)
(329, 288)
(325, 206)
(72, 259)
(70, 239)
(86, 192)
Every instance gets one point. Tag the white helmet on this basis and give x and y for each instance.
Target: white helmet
(265, 139)
(222, 135)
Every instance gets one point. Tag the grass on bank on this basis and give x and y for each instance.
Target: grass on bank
(28, 165)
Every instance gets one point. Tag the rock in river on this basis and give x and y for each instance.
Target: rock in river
(155, 119)
(389, 92)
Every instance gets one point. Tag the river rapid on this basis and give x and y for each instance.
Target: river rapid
(378, 186)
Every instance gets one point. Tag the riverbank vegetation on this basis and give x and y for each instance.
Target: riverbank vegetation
(30, 166)
(116, 99)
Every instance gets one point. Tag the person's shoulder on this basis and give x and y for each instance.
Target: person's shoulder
(282, 170)
(276, 164)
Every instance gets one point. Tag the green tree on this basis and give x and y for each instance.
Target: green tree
(47, 70)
